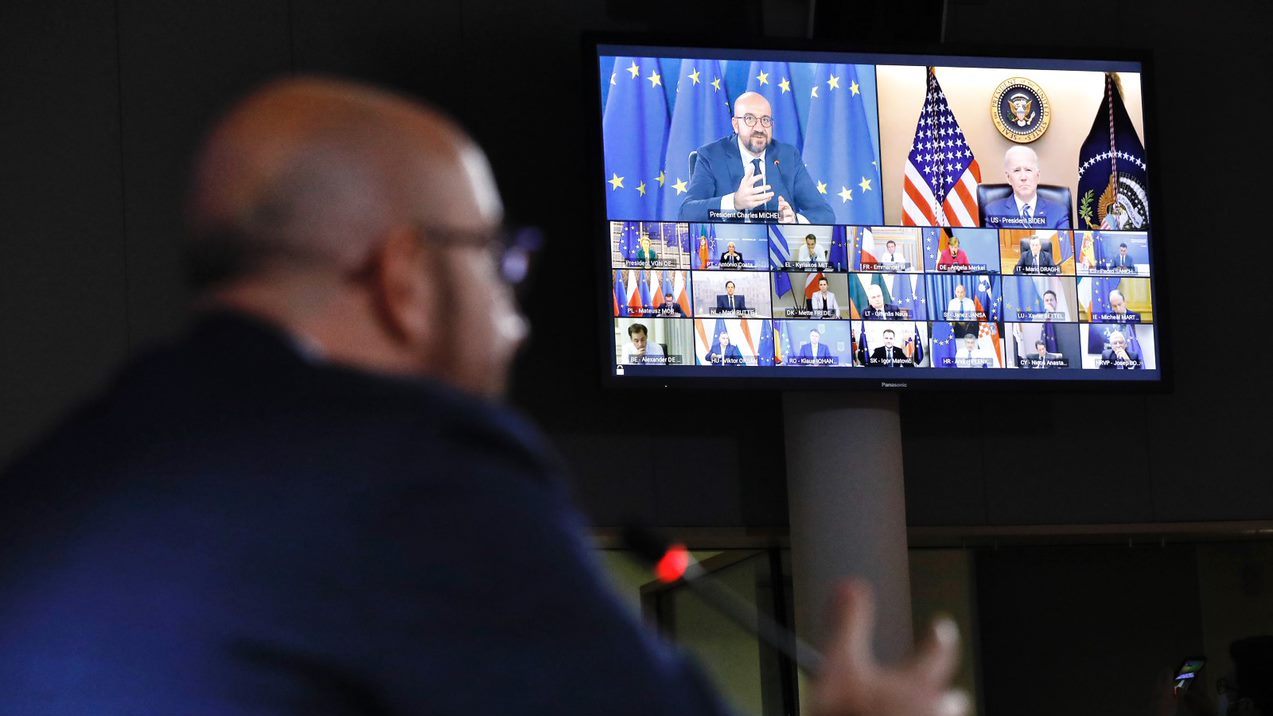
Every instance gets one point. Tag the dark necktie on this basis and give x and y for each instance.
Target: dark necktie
(731, 303)
(755, 164)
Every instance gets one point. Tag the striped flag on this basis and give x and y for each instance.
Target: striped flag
(941, 178)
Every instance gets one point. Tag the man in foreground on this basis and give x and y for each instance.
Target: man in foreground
(311, 503)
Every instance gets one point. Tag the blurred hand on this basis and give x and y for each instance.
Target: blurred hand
(786, 215)
(852, 683)
(749, 195)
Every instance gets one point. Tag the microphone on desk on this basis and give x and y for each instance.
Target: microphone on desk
(672, 563)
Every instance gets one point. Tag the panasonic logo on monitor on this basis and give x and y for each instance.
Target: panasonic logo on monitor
(886, 384)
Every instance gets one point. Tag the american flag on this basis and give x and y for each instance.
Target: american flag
(940, 187)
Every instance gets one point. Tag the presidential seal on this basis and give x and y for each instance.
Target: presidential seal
(1020, 110)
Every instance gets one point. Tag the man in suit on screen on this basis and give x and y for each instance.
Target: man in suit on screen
(729, 302)
(1118, 311)
(1025, 209)
(749, 171)
(889, 355)
(669, 307)
(724, 352)
(1035, 259)
(731, 258)
(876, 309)
(815, 352)
(1120, 355)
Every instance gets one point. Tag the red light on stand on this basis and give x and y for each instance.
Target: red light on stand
(673, 564)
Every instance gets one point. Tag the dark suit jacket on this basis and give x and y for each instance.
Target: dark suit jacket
(1107, 360)
(1053, 214)
(889, 313)
(720, 169)
(823, 351)
(675, 310)
(727, 260)
(731, 352)
(233, 529)
(899, 355)
(722, 301)
(1026, 261)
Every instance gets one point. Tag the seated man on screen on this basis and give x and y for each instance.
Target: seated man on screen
(876, 309)
(1120, 355)
(1118, 312)
(892, 259)
(1123, 262)
(889, 355)
(970, 354)
(952, 256)
(639, 347)
(811, 252)
(670, 307)
(646, 253)
(731, 258)
(1041, 358)
(1035, 260)
(1025, 209)
(961, 308)
(1050, 311)
(815, 352)
(750, 176)
(823, 303)
(723, 352)
(729, 303)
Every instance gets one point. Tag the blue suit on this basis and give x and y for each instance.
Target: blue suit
(720, 169)
(1003, 214)
(806, 355)
(722, 302)
(235, 529)
(731, 355)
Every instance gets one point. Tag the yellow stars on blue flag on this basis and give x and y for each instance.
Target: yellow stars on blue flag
(785, 85)
(822, 187)
(655, 79)
(681, 186)
(612, 76)
(845, 194)
(855, 87)
(616, 182)
(635, 69)
(641, 188)
(694, 76)
(716, 85)
(865, 184)
(662, 177)
(814, 93)
(763, 78)
(834, 82)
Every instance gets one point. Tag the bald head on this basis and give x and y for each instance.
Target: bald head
(756, 137)
(359, 221)
(313, 173)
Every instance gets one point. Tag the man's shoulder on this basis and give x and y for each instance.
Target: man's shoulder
(718, 147)
(1002, 206)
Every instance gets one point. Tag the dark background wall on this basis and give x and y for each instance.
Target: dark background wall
(102, 103)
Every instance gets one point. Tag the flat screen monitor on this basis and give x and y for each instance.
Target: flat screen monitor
(778, 216)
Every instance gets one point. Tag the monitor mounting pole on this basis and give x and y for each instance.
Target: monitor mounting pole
(848, 510)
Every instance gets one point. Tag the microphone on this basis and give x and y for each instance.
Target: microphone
(673, 563)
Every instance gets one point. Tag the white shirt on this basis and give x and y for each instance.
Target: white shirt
(966, 309)
(727, 201)
(828, 303)
(976, 358)
(630, 351)
(1034, 204)
(803, 255)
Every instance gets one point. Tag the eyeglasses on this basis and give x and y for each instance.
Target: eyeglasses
(512, 248)
(750, 120)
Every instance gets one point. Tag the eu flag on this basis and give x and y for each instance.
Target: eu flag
(1097, 335)
(620, 296)
(765, 353)
(1113, 185)
(839, 257)
(773, 80)
(838, 150)
(634, 126)
(918, 354)
(700, 115)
